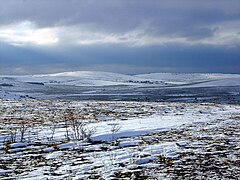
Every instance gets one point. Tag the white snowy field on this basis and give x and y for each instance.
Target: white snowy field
(125, 137)
(71, 139)
(86, 84)
(95, 78)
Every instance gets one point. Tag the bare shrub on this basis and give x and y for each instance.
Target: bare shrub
(78, 126)
(52, 126)
(68, 114)
(88, 133)
(22, 128)
(115, 127)
(12, 133)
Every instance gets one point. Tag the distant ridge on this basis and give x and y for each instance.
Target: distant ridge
(98, 78)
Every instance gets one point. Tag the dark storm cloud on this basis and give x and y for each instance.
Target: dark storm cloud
(172, 58)
(176, 16)
(119, 35)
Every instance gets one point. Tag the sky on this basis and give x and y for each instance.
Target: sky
(123, 36)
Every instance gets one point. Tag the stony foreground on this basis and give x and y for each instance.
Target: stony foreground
(211, 151)
(207, 147)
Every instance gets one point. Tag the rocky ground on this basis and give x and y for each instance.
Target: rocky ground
(210, 151)
(207, 149)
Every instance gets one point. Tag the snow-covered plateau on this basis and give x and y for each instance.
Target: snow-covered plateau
(96, 78)
(91, 85)
(98, 125)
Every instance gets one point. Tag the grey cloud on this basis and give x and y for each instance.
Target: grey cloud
(189, 19)
(121, 16)
(120, 59)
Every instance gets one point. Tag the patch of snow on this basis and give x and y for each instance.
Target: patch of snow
(15, 150)
(47, 150)
(128, 143)
(135, 127)
(54, 155)
(182, 143)
(2, 171)
(19, 144)
(7, 95)
(68, 145)
(145, 160)
(234, 93)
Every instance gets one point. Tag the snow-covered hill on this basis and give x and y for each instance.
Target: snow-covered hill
(80, 78)
(89, 83)
(198, 79)
(95, 78)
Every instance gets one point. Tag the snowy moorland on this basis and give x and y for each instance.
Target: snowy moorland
(53, 139)
(111, 86)
(99, 125)
(95, 78)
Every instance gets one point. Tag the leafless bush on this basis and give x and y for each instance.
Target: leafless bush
(12, 134)
(88, 133)
(77, 125)
(52, 126)
(22, 128)
(115, 127)
(68, 114)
